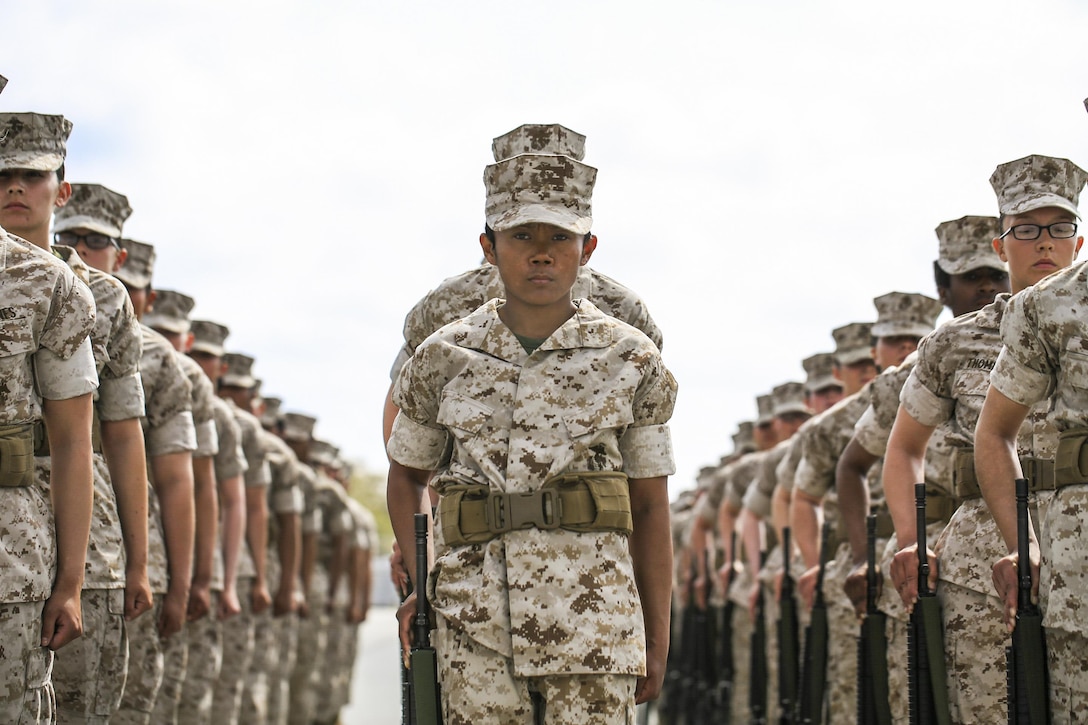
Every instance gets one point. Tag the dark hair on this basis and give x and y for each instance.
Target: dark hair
(490, 234)
(60, 173)
(943, 279)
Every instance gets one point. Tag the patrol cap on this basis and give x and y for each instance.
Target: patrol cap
(1034, 182)
(3, 82)
(33, 141)
(208, 337)
(540, 188)
(272, 414)
(93, 207)
(239, 371)
(968, 243)
(905, 313)
(323, 452)
(743, 441)
(765, 407)
(790, 398)
(298, 426)
(819, 368)
(170, 312)
(539, 138)
(853, 343)
(139, 264)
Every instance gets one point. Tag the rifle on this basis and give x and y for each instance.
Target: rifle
(925, 649)
(723, 694)
(678, 678)
(810, 704)
(788, 645)
(873, 706)
(757, 690)
(407, 706)
(424, 661)
(1026, 658)
(695, 657)
(705, 663)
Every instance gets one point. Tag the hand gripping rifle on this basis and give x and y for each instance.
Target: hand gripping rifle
(1026, 678)
(723, 696)
(407, 705)
(873, 706)
(424, 663)
(788, 645)
(757, 690)
(925, 648)
(810, 704)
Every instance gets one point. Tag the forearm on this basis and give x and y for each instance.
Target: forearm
(309, 559)
(852, 485)
(173, 481)
(290, 550)
(123, 449)
(727, 524)
(232, 522)
(804, 526)
(256, 528)
(904, 466)
(753, 544)
(780, 510)
(997, 465)
(206, 519)
(405, 496)
(651, 556)
(68, 423)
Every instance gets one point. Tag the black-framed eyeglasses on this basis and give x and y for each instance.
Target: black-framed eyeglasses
(1028, 232)
(94, 240)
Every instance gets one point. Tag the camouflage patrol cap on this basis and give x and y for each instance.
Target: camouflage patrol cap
(170, 312)
(3, 82)
(93, 207)
(968, 243)
(905, 313)
(139, 264)
(272, 414)
(743, 441)
(790, 398)
(765, 408)
(819, 367)
(539, 138)
(298, 426)
(1034, 182)
(239, 371)
(33, 141)
(853, 343)
(208, 337)
(323, 453)
(540, 188)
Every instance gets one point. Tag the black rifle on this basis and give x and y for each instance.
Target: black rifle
(810, 704)
(706, 665)
(679, 681)
(873, 706)
(723, 695)
(757, 690)
(1027, 677)
(788, 634)
(424, 662)
(925, 648)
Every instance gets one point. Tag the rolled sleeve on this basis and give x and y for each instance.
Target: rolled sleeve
(61, 378)
(757, 501)
(1018, 382)
(416, 445)
(175, 434)
(647, 451)
(870, 434)
(286, 501)
(207, 440)
(120, 398)
(924, 405)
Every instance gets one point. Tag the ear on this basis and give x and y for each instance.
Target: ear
(64, 193)
(187, 342)
(836, 372)
(999, 247)
(119, 259)
(151, 297)
(942, 295)
(588, 248)
(1076, 249)
(488, 249)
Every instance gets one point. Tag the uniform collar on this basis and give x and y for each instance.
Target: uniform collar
(484, 331)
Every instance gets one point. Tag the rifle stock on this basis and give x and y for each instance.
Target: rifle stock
(810, 704)
(788, 656)
(873, 705)
(1026, 657)
(928, 678)
(424, 662)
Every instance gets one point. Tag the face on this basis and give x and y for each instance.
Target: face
(824, 398)
(763, 435)
(1032, 260)
(240, 396)
(28, 199)
(786, 425)
(176, 339)
(108, 259)
(538, 263)
(974, 289)
(854, 376)
(893, 349)
(142, 300)
(212, 365)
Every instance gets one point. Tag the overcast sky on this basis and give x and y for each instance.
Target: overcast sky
(308, 170)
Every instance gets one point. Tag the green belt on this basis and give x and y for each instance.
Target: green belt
(1071, 461)
(940, 507)
(1040, 472)
(587, 501)
(41, 436)
(16, 455)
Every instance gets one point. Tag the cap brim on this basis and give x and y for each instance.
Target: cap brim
(971, 262)
(238, 381)
(849, 357)
(792, 408)
(82, 221)
(1042, 202)
(824, 381)
(170, 324)
(207, 347)
(891, 329)
(33, 162)
(541, 214)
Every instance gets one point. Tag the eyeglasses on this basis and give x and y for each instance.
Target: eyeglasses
(93, 240)
(1028, 232)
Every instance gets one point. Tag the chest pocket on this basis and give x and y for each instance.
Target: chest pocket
(969, 390)
(1075, 363)
(465, 415)
(593, 429)
(16, 344)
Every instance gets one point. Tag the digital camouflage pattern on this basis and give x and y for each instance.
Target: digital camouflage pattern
(818, 372)
(1034, 182)
(459, 296)
(203, 397)
(757, 498)
(614, 419)
(237, 652)
(239, 370)
(229, 461)
(170, 312)
(257, 472)
(139, 266)
(89, 672)
(208, 337)
(905, 313)
(95, 208)
(540, 188)
(539, 138)
(853, 343)
(967, 243)
(145, 668)
(825, 440)
(204, 663)
(26, 694)
(33, 141)
(789, 398)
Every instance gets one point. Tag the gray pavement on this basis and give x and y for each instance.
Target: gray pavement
(375, 688)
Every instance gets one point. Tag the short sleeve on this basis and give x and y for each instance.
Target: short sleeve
(61, 378)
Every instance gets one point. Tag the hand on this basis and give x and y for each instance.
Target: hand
(259, 598)
(806, 586)
(723, 575)
(62, 620)
(649, 687)
(753, 595)
(405, 614)
(905, 574)
(302, 606)
(172, 616)
(355, 614)
(1006, 573)
(138, 597)
(284, 602)
(397, 571)
(699, 590)
(229, 605)
(200, 601)
(856, 587)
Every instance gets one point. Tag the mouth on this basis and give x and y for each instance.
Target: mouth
(16, 206)
(1045, 264)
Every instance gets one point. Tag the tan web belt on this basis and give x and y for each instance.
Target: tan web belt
(1071, 461)
(588, 501)
(16, 455)
(1040, 472)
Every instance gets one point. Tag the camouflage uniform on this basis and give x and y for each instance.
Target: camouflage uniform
(491, 597)
(365, 542)
(1045, 357)
(47, 317)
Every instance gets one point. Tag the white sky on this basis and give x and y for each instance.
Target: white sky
(308, 170)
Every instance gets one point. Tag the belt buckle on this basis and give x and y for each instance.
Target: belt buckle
(497, 513)
(513, 511)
